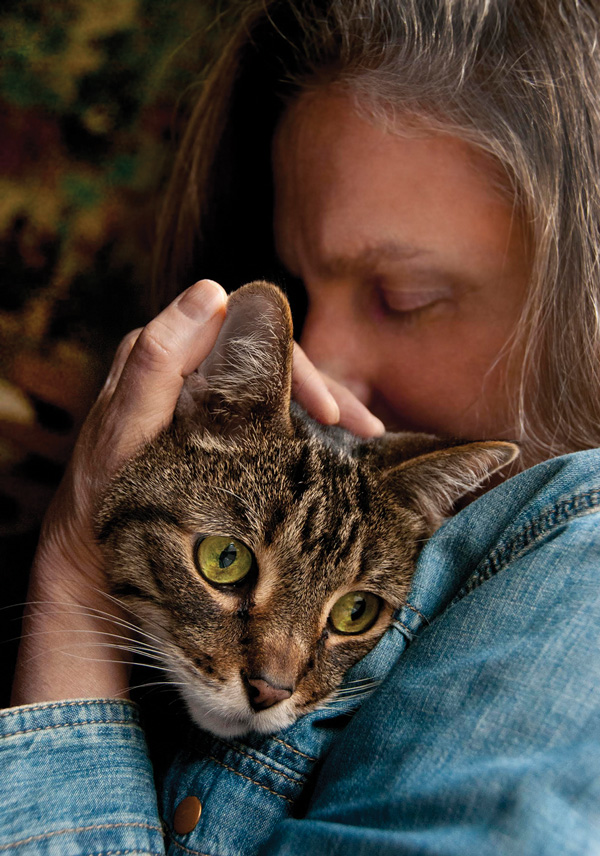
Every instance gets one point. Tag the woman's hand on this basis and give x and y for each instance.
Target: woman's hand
(328, 401)
(70, 646)
(75, 637)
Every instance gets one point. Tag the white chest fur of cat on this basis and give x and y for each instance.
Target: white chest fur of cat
(261, 553)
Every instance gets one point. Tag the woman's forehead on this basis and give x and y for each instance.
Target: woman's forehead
(320, 117)
(348, 190)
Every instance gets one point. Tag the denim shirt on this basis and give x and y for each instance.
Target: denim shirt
(473, 727)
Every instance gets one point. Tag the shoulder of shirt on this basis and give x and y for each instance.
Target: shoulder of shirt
(553, 500)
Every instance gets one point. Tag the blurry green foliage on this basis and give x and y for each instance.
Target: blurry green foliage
(89, 95)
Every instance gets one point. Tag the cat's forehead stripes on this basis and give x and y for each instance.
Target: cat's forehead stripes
(301, 471)
(131, 512)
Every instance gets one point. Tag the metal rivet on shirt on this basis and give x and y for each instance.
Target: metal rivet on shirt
(187, 815)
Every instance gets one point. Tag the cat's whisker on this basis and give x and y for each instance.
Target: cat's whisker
(342, 699)
(130, 626)
(163, 669)
(126, 607)
(100, 615)
(249, 508)
(365, 683)
(346, 699)
(233, 494)
(143, 650)
(356, 689)
(69, 653)
(347, 694)
(103, 633)
(165, 684)
(75, 656)
(325, 707)
(138, 643)
(116, 600)
(141, 647)
(159, 664)
(175, 700)
(341, 695)
(131, 649)
(108, 645)
(80, 609)
(142, 664)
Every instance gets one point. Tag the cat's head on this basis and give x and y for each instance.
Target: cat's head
(262, 553)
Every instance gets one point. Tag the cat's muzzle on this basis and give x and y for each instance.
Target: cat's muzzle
(262, 694)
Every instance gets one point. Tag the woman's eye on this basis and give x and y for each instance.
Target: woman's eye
(355, 612)
(223, 560)
(404, 301)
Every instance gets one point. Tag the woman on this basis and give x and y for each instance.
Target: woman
(434, 170)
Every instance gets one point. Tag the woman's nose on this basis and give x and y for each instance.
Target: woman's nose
(333, 341)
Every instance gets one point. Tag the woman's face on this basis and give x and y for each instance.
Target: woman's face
(414, 263)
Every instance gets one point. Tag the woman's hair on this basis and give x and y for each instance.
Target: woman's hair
(519, 79)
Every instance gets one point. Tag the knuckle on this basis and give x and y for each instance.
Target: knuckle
(129, 340)
(151, 351)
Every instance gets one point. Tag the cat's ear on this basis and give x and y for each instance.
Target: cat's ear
(435, 479)
(247, 376)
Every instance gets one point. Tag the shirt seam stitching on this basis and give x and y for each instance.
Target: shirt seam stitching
(297, 751)
(56, 832)
(415, 610)
(144, 852)
(69, 725)
(187, 849)
(20, 711)
(529, 535)
(254, 782)
(409, 632)
(299, 781)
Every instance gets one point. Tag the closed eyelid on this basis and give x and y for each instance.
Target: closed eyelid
(408, 299)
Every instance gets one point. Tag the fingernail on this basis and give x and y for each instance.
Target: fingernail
(202, 300)
(330, 414)
(378, 428)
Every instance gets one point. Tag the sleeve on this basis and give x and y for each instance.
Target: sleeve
(75, 778)
(484, 740)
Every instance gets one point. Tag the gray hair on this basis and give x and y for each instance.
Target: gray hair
(520, 79)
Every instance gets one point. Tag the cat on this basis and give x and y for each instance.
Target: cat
(263, 553)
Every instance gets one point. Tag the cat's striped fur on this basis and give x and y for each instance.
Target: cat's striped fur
(323, 512)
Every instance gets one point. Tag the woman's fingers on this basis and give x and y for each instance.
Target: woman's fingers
(329, 401)
(147, 374)
(139, 397)
(353, 414)
(167, 349)
(119, 361)
(310, 391)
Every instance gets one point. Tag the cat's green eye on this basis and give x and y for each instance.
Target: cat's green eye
(355, 612)
(223, 560)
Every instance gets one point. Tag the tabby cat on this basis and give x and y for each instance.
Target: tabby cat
(262, 552)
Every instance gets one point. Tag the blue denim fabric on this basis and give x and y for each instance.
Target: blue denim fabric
(75, 779)
(483, 737)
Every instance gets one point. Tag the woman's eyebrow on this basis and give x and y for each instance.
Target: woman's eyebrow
(371, 256)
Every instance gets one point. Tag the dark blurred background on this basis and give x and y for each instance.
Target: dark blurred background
(93, 94)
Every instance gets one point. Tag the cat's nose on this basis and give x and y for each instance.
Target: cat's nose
(262, 694)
